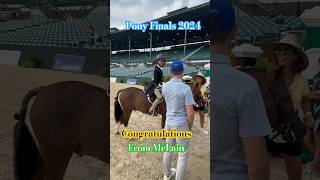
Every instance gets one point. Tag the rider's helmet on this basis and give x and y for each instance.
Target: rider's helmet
(160, 60)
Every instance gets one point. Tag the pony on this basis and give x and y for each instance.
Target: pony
(135, 99)
(66, 117)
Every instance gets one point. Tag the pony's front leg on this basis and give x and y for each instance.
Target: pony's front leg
(117, 127)
(163, 119)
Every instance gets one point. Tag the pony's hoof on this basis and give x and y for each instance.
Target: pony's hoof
(117, 133)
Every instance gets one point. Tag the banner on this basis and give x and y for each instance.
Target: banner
(131, 81)
(113, 79)
(68, 62)
(9, 57)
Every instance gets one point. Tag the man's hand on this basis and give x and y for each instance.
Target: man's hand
(257, 158)
(190, 115)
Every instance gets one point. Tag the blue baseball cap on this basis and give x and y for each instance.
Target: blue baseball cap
(177, 66)
(223, 13)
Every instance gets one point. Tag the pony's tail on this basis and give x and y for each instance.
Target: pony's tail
(21, 116)
(26, 154)
(117, 108)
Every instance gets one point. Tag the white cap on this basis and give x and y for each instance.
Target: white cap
(186, 77)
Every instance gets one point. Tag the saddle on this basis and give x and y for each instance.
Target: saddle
(151, 97)
(149, 91)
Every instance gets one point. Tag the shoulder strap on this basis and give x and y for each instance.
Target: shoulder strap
(279, 90)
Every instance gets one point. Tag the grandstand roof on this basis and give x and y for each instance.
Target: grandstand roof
(274, 8)
(140, 40)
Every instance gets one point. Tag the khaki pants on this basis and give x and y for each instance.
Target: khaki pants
(158, 93)
(159, 96)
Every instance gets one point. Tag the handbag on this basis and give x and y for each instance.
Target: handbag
(291, 127)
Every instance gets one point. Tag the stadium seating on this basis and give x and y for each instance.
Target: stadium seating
(71, 2)
(171, 54)
(57, 33)
(202, 54)
(252, 28)
(144, 72)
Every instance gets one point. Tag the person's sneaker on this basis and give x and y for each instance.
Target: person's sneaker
(204, 131)
(173, 173)
(307, 169)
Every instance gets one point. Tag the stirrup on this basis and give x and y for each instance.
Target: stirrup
(153, 113)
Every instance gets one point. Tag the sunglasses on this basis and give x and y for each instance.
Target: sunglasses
(282, 50)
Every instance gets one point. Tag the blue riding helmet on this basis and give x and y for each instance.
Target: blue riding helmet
(177, 66)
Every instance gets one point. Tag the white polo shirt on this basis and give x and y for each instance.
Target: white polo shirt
(177, 95)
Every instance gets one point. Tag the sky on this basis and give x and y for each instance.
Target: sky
(140, 11)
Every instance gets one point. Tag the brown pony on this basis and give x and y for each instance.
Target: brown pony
(66, 117)
(134, 99)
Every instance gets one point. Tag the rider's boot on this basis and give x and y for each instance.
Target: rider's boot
(152, 110)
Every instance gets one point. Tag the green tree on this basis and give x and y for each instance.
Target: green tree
(32, 63)
(262, 64)
(166, 78)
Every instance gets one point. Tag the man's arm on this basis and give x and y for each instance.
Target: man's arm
(189, 102)
(314, 98)
(257, 158)
(314, 95)
(306, 109)
(253, 127)
(190, 115)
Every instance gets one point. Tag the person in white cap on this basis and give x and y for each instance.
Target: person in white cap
(187, 79)
(289, 56)
(200, 81)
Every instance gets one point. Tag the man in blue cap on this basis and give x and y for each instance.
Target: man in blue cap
(180, 114)
(239, 121)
